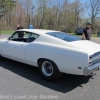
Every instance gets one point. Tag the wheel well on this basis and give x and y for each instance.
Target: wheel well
(43, 59)
(40, 60)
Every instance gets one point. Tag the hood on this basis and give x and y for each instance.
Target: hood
(86, 46)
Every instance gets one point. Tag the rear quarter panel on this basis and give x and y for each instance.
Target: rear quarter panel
(66, 58)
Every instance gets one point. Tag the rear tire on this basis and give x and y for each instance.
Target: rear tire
(49, 70)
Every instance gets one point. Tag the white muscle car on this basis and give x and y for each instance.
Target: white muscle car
(53, 52)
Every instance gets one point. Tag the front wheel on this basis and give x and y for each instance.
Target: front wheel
(49, 70)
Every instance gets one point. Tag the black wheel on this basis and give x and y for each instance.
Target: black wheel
(49, 70)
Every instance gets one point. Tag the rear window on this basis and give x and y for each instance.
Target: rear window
(64, 36)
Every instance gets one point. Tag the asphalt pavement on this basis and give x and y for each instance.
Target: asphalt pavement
(23, 82)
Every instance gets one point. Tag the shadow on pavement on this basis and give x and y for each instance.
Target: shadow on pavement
(65, 84)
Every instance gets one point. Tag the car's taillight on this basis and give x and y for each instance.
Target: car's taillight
(90, 60)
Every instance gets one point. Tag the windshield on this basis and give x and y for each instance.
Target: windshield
(64, 36)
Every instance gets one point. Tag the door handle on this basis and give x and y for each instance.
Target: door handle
(21, 44)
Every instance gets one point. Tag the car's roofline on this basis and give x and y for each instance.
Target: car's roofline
(39, 31)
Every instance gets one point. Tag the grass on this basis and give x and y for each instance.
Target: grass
(7, 32)
(94, 35)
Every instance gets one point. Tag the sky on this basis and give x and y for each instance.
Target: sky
(82, 1)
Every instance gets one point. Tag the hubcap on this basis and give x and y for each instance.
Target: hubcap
(47, 68)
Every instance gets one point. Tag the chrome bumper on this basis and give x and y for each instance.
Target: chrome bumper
(91, 70)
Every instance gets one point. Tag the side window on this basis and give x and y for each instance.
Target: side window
(27, 35)
(22, 36)
(18, 34)
(15, 36)
(32, 37)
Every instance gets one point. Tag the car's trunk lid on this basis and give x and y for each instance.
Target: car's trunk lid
(88, 46)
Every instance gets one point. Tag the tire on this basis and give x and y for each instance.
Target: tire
(49, 70)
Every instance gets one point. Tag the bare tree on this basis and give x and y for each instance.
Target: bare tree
(94, 10)
(5, 6)
(78, 10)
(60, 15)
(42, 9)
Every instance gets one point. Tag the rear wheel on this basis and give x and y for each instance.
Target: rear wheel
(49, 70)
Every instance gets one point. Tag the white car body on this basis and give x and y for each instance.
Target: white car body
(70, 57)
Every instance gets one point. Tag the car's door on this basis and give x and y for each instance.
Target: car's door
(14, 48)
(30, 50)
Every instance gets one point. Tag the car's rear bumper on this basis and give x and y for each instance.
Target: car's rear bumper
(91, 70)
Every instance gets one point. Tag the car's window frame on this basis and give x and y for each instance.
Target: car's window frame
(26, 32)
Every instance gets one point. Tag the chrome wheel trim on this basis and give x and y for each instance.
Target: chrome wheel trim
(47, 68)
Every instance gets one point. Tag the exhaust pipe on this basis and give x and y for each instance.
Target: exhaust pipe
(93, 73)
